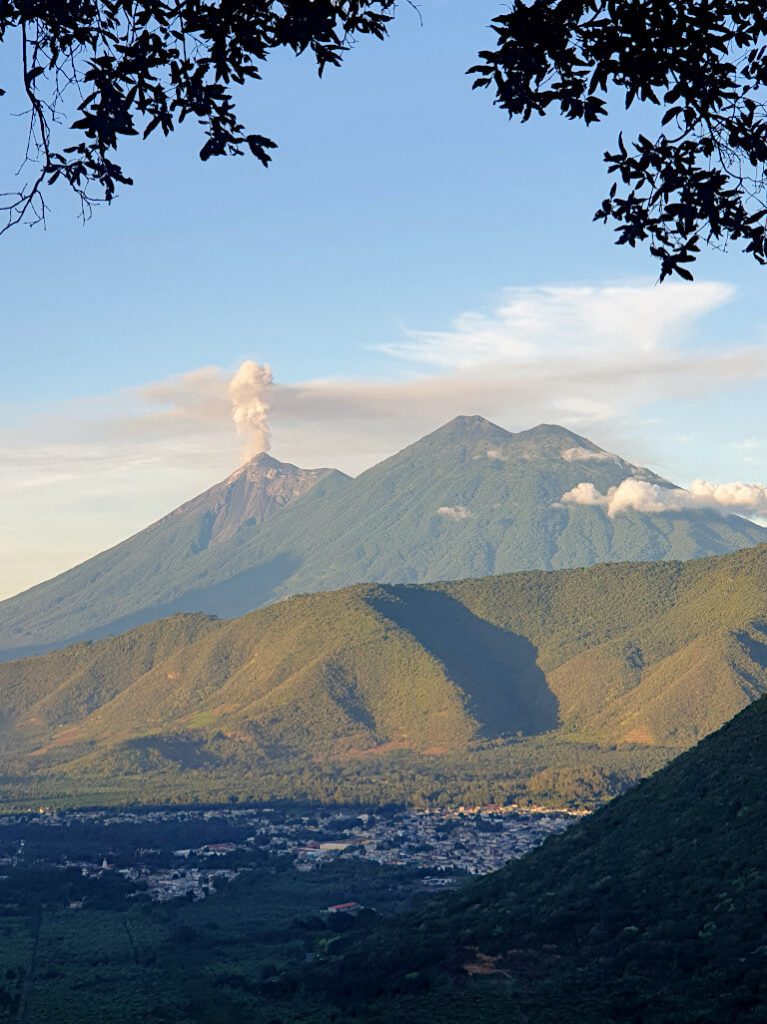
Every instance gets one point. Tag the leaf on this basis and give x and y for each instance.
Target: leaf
(670, 114)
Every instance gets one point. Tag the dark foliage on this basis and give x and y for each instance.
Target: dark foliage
(652, 910)
(109, 69)
(96, 950)
(98, 71)
(701, 63)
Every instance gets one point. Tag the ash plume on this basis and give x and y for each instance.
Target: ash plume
(249, 396)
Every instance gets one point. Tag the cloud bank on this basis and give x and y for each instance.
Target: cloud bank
(633, 495)
(588, 357)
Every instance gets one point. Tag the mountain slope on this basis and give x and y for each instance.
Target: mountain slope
(652, 910)
(467, 500)
(555, 684)
(253, 494)
(110, 592)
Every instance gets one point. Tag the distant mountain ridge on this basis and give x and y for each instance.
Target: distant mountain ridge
(542, 683)
(469, 499)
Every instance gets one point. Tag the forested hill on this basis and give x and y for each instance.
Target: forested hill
(558, 685)
(652, 910)
(470, 499)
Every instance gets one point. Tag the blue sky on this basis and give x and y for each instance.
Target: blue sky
(401, 206)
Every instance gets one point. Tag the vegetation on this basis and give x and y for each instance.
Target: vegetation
(383, 526)
(563, 686)
(696, 171)
(651, 910)
(97, 951)
(96, 73)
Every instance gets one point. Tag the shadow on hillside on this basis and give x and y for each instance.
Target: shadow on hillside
(755, 643)
(183, 751)
(507, 691)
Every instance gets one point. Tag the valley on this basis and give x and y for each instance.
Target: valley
(650, 909)
(383, 561)
(128, 905)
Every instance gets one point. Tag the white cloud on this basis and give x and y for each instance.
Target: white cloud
(585, 493)
(570, 320)
(744, 498)
(455, 512)
(580, 364)
(588, 455)
(600, 357)
(641, 496)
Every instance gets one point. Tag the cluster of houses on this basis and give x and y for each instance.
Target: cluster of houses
(443, 843)
(192, 883)
(471, 840)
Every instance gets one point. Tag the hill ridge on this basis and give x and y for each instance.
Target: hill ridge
(495, 681)
(469, 499)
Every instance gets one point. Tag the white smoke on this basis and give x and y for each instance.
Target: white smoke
(641, 496)
(249, 395)
(455, 512)
(587, 455)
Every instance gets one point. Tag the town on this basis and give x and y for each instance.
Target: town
(220, 843)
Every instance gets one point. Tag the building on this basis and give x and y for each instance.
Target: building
(345, 908)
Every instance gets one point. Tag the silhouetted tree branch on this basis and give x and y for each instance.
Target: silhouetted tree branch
(97, 71)
(701, 63)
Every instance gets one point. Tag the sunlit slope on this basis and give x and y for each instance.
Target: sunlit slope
(648, 653)
(470, 499)
(322, 674)
(635, 655)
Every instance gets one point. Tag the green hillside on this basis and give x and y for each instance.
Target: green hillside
(652, 910)
(558, 685)
(470, 499)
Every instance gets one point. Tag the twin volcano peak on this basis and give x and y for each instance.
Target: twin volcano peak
(545, 439)
(470, 499)
(460, 431)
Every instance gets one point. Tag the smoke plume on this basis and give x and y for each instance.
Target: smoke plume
(641, 496)
(249, 394)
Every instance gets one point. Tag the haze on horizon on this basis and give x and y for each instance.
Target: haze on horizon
(465, 281)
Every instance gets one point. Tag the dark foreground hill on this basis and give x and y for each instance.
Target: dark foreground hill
(563, 685)
(470, 499)
(653, 910)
